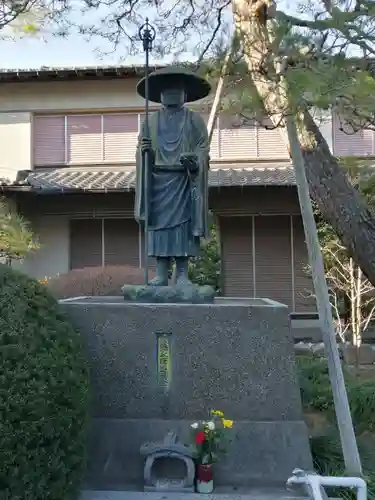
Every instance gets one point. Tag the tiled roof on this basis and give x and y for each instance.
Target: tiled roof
(46, 73)
(111, 179)
(268, 174)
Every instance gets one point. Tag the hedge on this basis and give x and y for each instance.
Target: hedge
(43, 394)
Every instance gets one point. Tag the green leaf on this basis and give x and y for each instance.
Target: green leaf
(16, 237)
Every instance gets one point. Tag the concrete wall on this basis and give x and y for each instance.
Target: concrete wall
(15, 143)
(53, 256)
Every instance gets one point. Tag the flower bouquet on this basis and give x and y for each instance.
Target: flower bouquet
(209, 439)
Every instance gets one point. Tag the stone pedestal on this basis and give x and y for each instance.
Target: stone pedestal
(174, 294)
(157, 368)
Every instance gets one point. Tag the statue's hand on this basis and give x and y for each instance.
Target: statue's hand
(146, 144)
(189, 161)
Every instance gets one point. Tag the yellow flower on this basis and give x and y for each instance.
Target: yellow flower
(218, 413)
(227, 424)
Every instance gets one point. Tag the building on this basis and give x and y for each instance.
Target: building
(68, 139)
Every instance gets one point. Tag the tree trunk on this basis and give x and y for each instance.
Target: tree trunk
(338, 201)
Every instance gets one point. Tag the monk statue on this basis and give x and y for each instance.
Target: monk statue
(178, 147)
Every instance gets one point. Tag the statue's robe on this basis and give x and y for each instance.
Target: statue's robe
(178, 200)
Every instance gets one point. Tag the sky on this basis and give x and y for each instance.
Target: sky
(34, 52)
(74, 51)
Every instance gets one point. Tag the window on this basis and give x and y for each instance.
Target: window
(347, 143)
(98, 242)
(237, 138)
(120, 135)
(49, 140)
(94, 139)
(121, 242)
(85, 243)
(85, 139)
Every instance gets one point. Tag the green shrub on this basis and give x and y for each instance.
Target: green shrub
(315, 385)
(205, 269)
(95, 281)
(317, 396)
(43, 395)
(316, 393)
(362, 404)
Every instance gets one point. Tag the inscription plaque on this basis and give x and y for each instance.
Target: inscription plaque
(164, 360)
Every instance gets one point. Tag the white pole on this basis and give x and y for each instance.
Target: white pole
(340, 397)
(219, 91)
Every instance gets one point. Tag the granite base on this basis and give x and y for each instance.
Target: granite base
(236, 356)
(261, 453)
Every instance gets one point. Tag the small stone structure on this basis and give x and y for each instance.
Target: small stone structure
(172, 458)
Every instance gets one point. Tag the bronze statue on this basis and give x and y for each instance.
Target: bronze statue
(178, 149)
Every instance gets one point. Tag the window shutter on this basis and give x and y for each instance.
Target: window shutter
(120, 136)
(49, 140)
(369, 142)
(236, 256)
(85, 243)
(346, 143)
(237, 140)
(85, 139)
(271, 143)
(121, 242)
(273, 258)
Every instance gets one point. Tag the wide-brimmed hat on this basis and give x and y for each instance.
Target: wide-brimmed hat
(195, 86)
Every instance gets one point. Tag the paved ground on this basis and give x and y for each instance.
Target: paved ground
(136, 495)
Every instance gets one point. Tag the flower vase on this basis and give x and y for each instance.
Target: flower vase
(204, 478)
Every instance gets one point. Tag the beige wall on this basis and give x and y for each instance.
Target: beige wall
(70, 96)
(15, 143)
(18, 102)
(53, 256)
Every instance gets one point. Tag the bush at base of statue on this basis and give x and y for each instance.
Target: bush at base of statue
(94, 281)
(43, 394)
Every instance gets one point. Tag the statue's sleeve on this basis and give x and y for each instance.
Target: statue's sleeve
(139, 204)
(202, 150)
(202, 142)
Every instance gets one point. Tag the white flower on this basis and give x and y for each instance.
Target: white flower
(211, 426)
(195, 425)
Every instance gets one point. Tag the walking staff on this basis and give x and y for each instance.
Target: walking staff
(147, 35)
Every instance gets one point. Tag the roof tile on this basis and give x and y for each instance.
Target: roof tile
(67, 179)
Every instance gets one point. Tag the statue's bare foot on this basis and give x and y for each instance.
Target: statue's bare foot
(158, 281)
